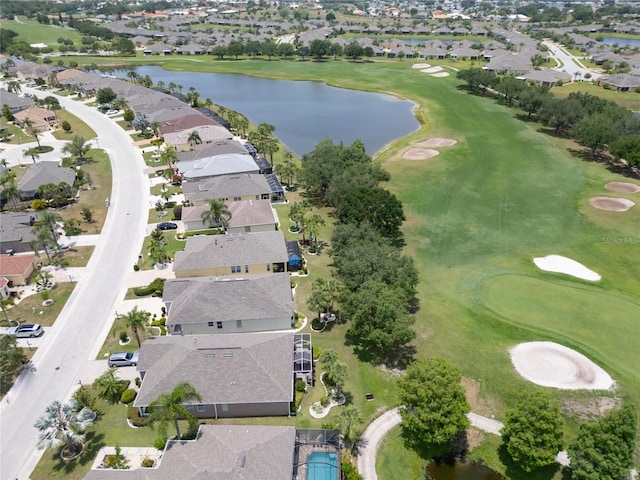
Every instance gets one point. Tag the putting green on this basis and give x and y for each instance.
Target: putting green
(604, 326)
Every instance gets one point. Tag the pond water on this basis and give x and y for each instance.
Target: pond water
(302, 112)
(460, 471)
(621, 42)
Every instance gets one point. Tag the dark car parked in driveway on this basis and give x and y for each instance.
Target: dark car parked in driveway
(28, 330)
(167, 226)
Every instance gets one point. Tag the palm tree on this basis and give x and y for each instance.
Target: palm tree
(61, 424)
(120, 103)
(172, 86)
(312, 227)
(194, 139)
(50, 220)
(288, 170)
(208, 102)
(160, 84)
(136, 319)
(43, 239)
(31, 130)
(11, 194)
(218, 214)
(179, 87)
(13, 86)
(77, 147)
(348, 420)
(52, 80)
(133, 76)
(170, 156)
(243, 124)
(109, 386)
(30, 153)
(170, 406)
(335, 371)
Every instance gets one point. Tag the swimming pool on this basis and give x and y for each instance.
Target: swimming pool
(322, 466)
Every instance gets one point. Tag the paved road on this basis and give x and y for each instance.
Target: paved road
(85, 320)
(577, 71)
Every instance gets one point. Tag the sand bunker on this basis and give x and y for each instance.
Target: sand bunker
(552, 365)
(419, 154)
(432, 70)
(622, 187)
(558, 264)
(436, 142)
(612, 204)
(420, 65)
(440, 74)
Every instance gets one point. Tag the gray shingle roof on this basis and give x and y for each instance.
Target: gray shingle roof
(211, 251)
(42, 173)
(225, 186)
(205, 299)
(221, 452)
(225, 164)
(233, 368)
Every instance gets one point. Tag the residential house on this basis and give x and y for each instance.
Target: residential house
(227, 188)
(191, 49)
(188, 122)
(623, 82)
(221, 147)
(15, 102)
(166, 114)
(16, 232)
(210, 305)
(509, 64)
(247, 216)
(433, 50)
(17, 268)
(41, 118)
(237, 375)
(158, 49)
(226, 164)
(42, 173)
(233, 254)
(546, 77)
(242, 452)
(207, 133)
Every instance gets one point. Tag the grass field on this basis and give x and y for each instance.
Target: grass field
(78, 127)
(32, 32)
(476, 216)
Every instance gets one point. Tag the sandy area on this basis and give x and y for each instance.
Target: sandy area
(440, 74)
(436, 142)
(558, 264)
(419, 154)
(622, 187)
(431, 70)
(420, 66)
(612, 204)
(552, 365)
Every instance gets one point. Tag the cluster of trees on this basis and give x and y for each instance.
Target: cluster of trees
(598, 124)
(378, 283)
(603, 449)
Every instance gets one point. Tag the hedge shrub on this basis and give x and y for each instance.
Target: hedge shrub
(128, 396)
(154, 288)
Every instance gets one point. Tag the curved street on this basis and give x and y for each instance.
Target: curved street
(569, 63)
(84, 322)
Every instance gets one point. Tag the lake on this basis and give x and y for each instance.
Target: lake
(621, 42)
(302, 112)
(460, 471)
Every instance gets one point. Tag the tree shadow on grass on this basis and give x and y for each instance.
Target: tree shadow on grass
(94, 442)
(513, 470)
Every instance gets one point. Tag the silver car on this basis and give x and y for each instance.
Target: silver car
(28, 330)
(123, 359)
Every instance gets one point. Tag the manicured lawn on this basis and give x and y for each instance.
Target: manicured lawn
(17, 135)
(112, 342)
(173, 245)
(157, 190)
(31, 31)
(629, 100)
(78, 127)
(31, 310)
(98, 166)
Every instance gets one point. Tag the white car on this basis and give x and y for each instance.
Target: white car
(112, 112)
(28, 330)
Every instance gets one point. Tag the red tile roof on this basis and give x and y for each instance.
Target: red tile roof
(15, 264)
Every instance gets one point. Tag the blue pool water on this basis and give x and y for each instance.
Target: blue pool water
(322, 466)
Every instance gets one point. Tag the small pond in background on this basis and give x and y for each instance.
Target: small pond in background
(460, 471)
